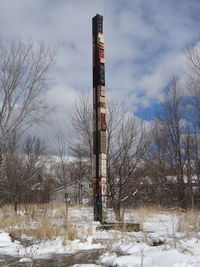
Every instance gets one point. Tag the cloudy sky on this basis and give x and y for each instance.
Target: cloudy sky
(144, 45)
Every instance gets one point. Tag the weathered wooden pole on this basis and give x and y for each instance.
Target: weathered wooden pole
(99, 122)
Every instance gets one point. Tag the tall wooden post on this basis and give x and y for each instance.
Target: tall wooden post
(99, 122)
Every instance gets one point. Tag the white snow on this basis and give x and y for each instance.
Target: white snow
(44, 249)
(7, 247)
(157, 244)
(136, 249)
(25, 260)
(145, 256)
(85, 265)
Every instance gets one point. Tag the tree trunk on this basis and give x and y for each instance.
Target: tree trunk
(182, 196)
(15, 205)
(66, 206)
(117, 211)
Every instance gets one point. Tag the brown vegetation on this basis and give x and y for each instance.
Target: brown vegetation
(43, 222)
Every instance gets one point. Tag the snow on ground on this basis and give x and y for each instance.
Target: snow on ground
(157, 244)
(43, 249)
(151, 258)
(141, 254)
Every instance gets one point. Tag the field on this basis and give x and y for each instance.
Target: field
(167, 238)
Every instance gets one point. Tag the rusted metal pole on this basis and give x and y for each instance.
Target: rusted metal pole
(99, 122)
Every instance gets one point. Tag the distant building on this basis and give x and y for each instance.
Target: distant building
(74, 193)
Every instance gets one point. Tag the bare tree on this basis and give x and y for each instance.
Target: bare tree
(193, 111)
(131, 142)
(193, 84)
(24, 70)
(125, 147)
(193, 62)
(114, 120)
(81, 145)
(70, 171)
(172, 123)
(60, 165)
(23, 173)
(157, 153)
(81, 120)
(189, 148)
(80, 172)
(24, 73)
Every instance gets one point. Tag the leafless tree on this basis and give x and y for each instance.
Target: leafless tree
(59, 150)
(192, 114)
(155, 158)
(115, 117)
(193, 62)
(172, 123)
(189, 149)
(131, 142)
(80, 174)
(153, 169)
(81, 120)
(69, 171)
(125, 147)
(193, 84)
(23, 173)
(81, 145)
(24, 71)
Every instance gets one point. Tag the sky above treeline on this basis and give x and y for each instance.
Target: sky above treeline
(145, 42)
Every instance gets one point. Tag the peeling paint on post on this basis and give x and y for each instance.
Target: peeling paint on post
(99, 122)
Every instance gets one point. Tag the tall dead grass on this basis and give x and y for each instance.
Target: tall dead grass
(41, 221)
(148, 211)
(189, 222)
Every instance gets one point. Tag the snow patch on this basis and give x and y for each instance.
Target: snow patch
(25, 260)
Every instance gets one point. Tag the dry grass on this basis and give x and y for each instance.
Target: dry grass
(189, 222)
(8, 222)
(43, 221)
(7, 210)
(70, 233)
(144, 212)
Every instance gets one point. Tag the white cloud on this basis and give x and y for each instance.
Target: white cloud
(144, 42)
(61, 96)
